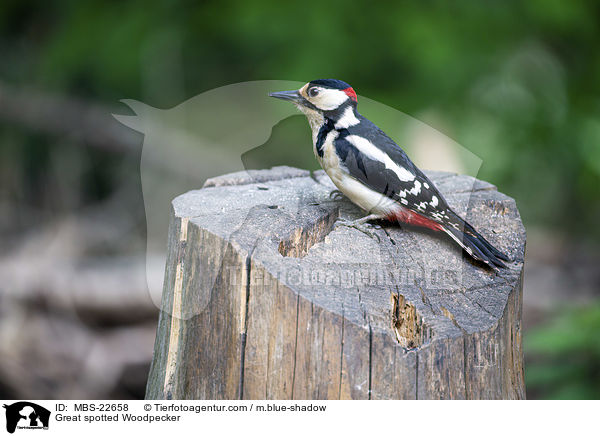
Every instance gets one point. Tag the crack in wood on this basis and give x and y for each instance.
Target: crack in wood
(303, 238)
(368, 324)
(244, 322)
(370, 391)
(467, 393)
(295, 345)
(486, 310)
(341, 354)
(425, 299)
(176, 313)
(416, 376)
(451, 317)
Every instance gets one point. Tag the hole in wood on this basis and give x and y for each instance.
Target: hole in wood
(407, 325)
(300, 241)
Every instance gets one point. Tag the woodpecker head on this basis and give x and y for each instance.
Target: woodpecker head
(323, 97)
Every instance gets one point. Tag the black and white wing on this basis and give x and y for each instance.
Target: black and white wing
(374, 159)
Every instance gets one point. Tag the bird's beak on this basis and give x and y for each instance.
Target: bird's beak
(293, 96)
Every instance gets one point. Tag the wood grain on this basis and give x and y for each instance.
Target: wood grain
(272, 300)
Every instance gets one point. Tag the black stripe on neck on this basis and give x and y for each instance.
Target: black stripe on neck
(327, 127)
(337, 113)
(331, 118)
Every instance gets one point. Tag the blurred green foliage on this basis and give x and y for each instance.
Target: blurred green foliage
(514, 82)
(563, 360)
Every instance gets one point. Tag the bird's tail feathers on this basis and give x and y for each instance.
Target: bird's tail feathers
(473, 243)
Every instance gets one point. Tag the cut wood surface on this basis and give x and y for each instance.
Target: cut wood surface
(266, 298)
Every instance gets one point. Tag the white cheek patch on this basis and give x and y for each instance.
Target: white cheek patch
(367, 148)
(348, 119)
(329, 99)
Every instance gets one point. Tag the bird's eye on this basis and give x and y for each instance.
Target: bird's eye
(313, 92)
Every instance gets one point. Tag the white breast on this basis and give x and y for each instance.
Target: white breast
(361, 195)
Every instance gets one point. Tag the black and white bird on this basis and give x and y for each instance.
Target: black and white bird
(369, 168)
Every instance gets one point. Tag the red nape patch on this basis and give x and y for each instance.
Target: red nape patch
(413, 218)
(350, 93)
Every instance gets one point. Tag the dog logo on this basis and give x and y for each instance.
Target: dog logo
(26, 415)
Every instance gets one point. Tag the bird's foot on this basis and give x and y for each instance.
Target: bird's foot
(362, 226)
(336, 194)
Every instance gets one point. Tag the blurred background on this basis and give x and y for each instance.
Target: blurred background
(516, 83)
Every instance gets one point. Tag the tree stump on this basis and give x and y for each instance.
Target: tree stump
(265, 298)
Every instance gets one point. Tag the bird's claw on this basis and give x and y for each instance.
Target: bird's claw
(362, 226)
(336, 194)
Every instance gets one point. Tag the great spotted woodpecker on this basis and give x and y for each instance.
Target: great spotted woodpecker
(374, 172)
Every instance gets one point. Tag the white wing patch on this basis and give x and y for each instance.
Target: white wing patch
(366, 147)
(416, 190)
(348, 119)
